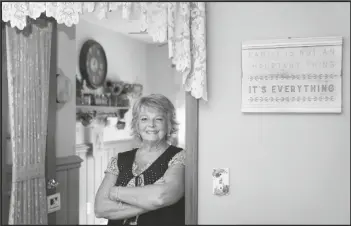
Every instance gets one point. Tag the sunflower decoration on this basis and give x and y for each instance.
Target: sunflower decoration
(123, 100)
(118, 88)
(108, 86)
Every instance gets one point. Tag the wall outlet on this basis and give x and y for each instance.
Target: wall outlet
(54, 202)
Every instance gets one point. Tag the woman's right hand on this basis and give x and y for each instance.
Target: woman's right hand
(106, 208)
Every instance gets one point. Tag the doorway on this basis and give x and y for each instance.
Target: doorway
(191, 128)
(132, 57)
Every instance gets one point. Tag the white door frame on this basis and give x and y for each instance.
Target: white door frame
(191, 167)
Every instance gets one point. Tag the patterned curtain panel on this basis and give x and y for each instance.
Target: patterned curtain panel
(28, 61)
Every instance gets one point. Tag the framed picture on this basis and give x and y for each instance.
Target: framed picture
(292, 75)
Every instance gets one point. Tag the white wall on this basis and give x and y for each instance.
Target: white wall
(65, 115)
(133, 61)
(166, 80)
(125, 56)
(126, 61)
(284, 168)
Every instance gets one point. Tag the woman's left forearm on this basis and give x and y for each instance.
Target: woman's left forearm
(126, 211)
(149, 197)
(146, 197)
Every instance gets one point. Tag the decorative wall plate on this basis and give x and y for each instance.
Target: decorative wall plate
(93, 64)
(64, 89)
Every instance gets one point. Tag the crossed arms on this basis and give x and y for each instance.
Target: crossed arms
(134, 201)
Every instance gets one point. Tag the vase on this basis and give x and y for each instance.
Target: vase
(123, 100)
(120, 125)
(114, 100)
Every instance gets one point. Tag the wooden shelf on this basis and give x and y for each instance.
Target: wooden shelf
(88, 113)
(100, 109)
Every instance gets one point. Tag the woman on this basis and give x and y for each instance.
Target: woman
(145, 186)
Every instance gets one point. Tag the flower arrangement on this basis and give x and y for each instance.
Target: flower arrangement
(108, 85)
(120, 87)
(113, 88)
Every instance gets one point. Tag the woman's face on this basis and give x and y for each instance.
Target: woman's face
(152, 124)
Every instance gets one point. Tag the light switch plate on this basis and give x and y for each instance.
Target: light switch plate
(54, 202)
(220, 177)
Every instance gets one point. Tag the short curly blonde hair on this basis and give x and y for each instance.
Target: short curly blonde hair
(161, 103)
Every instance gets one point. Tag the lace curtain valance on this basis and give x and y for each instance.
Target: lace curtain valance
(181, 24)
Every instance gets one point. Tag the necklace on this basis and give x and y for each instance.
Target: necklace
(158, 148)
(140, 164)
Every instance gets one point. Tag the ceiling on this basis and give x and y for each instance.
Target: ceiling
(117, 24)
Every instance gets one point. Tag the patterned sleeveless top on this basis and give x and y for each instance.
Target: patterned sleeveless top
(125, 168)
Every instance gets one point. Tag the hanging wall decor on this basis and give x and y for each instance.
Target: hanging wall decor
(93, 64)
(301, 75)
(64, 89)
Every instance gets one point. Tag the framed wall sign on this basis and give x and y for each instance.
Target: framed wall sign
(292, 75)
